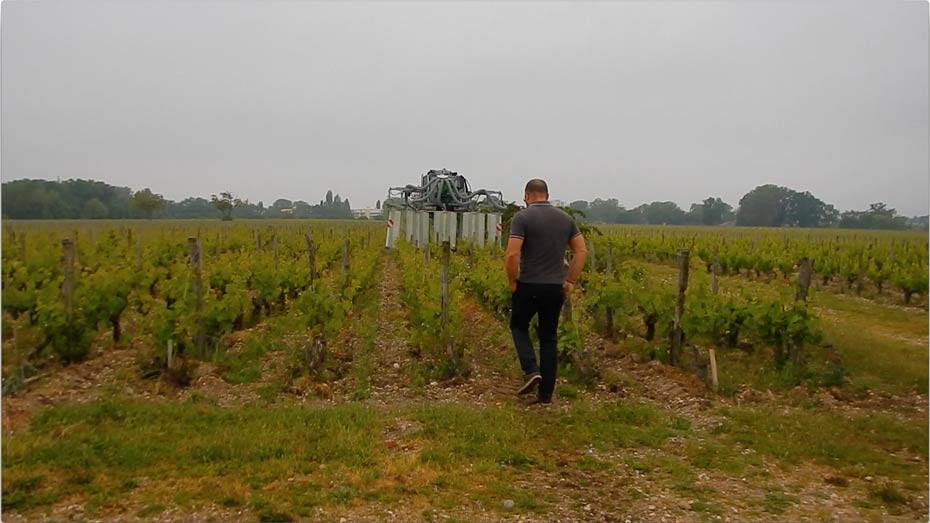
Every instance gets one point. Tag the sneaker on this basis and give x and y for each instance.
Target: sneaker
(532, 381)
(541, 400)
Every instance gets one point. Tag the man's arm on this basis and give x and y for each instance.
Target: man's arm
(512, 261)
(580, 252)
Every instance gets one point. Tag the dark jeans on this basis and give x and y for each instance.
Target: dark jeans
(546, 300)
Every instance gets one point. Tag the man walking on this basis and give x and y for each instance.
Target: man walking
(536, 248)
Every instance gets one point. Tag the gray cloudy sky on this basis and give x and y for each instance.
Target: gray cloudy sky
(639, 101)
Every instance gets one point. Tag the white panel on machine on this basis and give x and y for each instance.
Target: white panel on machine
(494, 228)
(410, 225)
(479, 229)
(393, 228)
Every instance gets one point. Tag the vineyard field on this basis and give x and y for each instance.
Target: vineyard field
(293, 370)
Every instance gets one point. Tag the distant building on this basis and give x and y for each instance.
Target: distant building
(371, 214)
(558, 203)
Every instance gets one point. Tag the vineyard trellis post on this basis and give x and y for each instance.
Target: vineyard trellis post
(22, 247)
(609, 311)
(804, 279)
(196, 265)
(677, 333)
(311, 256)
(593, 265)
(714, 383)
(67, 286)
(860, 276)
(345, 256)
(274, 248)
(714, 269)
(444, 287)
(74, 239)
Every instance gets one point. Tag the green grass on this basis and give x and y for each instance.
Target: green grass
(246, 366)
(104, 448)
(282, 461)
(776, 503)
(859, 445)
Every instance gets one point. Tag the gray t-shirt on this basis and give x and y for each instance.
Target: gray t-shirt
(546, 231)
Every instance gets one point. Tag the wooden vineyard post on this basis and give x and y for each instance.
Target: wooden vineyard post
(714, 384)
(196, 265)
(592, 264)
(311, 256)
(67, 286)
(74, 239)
(677, 333)
(444, 286)
(274, 247)
(169, 361)
(860, 276)
(345, 256)
(609, 311)
(714, 269)
(426, 255)
(804, 279)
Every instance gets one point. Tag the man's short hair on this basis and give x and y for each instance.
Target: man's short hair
(537, 186)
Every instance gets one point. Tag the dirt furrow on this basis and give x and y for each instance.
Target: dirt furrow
(390, 378)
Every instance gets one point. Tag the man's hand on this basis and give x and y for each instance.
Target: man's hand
(568, 287)
(513, 286)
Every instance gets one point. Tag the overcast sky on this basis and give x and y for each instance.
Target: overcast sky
(638, 101)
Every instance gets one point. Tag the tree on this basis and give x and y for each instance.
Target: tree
(147, 202)
(695, 214)
(378, 205)
(94, 209)
(190, 208)
(603, 211)
(763, 206)
(879, 216)
(715, 211)
(662, 213)
(579, 205)
(329, 197)
(803, 209)
(302, 209)
(225, 204)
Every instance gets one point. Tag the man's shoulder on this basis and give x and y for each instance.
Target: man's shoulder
(555, 211)
(543, 212)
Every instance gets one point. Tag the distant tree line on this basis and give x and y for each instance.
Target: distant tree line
(88, 199)
(764, 206)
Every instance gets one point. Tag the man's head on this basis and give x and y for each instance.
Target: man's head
(536, 191)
